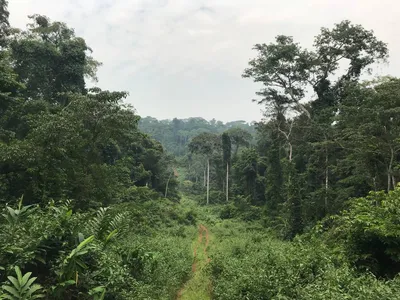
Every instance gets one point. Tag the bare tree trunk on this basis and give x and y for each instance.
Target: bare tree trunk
(208, 180)
(166, 187)
(287, 137)
(390, 175)
(204, 181)
(394, 183)
(326, 178)
(227, 182)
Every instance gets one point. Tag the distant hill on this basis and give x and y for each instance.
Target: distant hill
(175, 134)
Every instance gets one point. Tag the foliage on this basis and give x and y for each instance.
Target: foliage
(129, 250)
(343, 143)
(248, 263)
(59, 139)
(368, 231)
(22, 287)
(176, 134)
(86, 191)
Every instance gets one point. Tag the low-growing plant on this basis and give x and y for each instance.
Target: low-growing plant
(21, 287)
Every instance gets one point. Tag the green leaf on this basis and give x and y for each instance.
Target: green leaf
(18, 272)
(14, 281)
(34, 288)
(28, 284)
(25, 279)
(111, 235)
(12, 291)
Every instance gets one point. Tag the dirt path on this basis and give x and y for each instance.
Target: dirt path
(199, 286)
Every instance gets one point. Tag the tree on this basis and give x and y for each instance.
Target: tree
(51, 61)
(206, 144)
(246, 172)
(286, 70)
(370, 125)
(302, 138)
(239, 138)
(226, 153)
(4, 23)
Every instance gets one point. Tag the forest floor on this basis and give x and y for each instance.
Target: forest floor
(199, 285)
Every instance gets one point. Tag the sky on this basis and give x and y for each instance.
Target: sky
(185, 58)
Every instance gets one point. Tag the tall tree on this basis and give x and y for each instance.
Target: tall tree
(4, 22)
(292, 75)
(51, 61)
(206, 144)
(239, 138)
(226, 153)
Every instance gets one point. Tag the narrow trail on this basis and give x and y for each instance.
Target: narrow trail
(199, 285)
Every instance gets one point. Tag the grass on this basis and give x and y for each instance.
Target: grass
(199, 285)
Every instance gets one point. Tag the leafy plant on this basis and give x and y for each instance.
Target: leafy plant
(22, 287)
(14, 215)
(98, 293)
(104, 227)
(73, 263)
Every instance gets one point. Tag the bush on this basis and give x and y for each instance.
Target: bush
(368, 231)
(139, 194)
(228, 211)
(251, 264)
(187, 186)
(130, 251)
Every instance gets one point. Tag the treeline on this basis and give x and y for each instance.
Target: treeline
(81, 187)
(310, 158)
(176, 134)
(59, 139)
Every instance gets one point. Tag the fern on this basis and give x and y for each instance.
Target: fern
(105, 228)
(96, 225)
(118, 222)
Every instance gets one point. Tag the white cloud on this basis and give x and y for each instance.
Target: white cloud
(185, 57)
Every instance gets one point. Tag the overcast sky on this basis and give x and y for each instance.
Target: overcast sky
(184, 58)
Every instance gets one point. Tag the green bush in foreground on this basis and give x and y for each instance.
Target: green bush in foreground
(249, 264)
(367, 233)
(126, 251)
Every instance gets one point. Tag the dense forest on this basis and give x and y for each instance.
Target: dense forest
(99, 203)
(176, 134)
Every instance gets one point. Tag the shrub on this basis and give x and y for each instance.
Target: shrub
(249, 264)
(369, 232)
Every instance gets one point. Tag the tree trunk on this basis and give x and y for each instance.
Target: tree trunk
(204, 178)
(227, 182)
(390, 175)
(394, 182)
(208, 180)
(326, 179)
(166, 187)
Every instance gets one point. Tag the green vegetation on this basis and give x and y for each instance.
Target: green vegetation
(176, 134)
(131, 250)
(305, 204)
